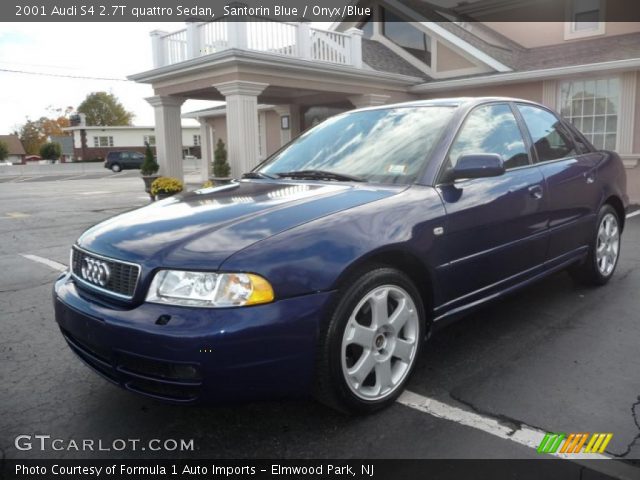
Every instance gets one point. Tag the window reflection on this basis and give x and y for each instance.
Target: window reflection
(402, 33)
(549, 139)
(491, 129)
(386, 145)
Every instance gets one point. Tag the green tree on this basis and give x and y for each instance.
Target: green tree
(31, 137)
(103, 109)
(4, 151)
(220, 166)
(149, 166)
(51, 151)
(34, 133)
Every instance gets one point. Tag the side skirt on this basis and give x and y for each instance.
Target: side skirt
(550, 267)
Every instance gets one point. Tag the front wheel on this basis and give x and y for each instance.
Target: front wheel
(115, 168)
(371, 343)
(604, 250)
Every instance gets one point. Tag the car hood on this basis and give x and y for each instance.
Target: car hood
(201, 229)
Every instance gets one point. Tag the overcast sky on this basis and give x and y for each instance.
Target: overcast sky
(112, 50)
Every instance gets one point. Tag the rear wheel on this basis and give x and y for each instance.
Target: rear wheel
(604, 250)
(116, 168)
(372, 342)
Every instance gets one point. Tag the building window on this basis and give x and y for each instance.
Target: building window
(585, 19)
(593, 106)
(150, 139)
(106, 141)
(366, 25)
(196, 140)
(405, 35)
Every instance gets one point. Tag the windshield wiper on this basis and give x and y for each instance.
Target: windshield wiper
(258, 175)
(321, 175)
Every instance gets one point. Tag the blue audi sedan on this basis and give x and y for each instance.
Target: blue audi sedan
(323, 271)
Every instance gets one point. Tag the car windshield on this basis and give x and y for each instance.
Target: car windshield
(383, 145)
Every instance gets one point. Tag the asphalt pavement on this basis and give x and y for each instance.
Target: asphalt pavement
(555, 357)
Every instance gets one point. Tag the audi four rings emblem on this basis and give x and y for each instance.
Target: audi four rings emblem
(95, 271)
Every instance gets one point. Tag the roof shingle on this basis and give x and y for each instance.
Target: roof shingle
(14, 144)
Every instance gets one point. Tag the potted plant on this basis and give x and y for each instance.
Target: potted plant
(148, 169)
(221, 168)
(163, 187)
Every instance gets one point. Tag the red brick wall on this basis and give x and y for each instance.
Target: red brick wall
(101, 152)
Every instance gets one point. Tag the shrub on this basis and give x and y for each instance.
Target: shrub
(51, 151)
(149, 166)
(166, 185)
(220, 166)
(207, 184)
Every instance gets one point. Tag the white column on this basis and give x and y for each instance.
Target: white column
(356, 46)
(168, 135)
(242, 123)
(237, 34)
(368, 100)
(193, 40)
(157, 47)
(303, 40)
(206, 151)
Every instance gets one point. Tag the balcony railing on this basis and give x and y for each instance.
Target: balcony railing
(297, 40)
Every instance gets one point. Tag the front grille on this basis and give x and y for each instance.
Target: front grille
(122, 276)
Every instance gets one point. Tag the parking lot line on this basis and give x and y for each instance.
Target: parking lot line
(521, 433)
(633, 214)
(45, 261)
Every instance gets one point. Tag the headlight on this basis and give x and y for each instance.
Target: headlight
(206, 289)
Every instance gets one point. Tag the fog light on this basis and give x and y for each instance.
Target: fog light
(186, 371)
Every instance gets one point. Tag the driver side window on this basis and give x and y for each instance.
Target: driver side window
(491, 129)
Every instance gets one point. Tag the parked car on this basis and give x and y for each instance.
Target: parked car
(323, 270)
(123, 159)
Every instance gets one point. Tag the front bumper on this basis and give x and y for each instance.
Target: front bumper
(189, 355)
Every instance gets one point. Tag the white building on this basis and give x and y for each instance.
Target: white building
(96, 142)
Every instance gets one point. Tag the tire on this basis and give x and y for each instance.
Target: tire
(604, 250)
(365, 358)
(115, 168)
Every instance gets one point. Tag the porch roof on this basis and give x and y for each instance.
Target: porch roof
(289, 80)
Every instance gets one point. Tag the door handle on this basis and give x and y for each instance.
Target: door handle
(590, 177)
(536, 191)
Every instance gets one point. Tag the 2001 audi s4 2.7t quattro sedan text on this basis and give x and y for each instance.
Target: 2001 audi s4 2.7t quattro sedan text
(323, 270)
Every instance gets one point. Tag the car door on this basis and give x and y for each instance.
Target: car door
(570, 172)
(495, 227)
(125, 159)
(136, 160)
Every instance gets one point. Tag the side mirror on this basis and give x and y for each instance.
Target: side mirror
(477, 165)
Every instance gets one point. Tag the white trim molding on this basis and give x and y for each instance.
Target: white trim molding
(406, 56)
(570, 30)
(531, 75)
(450, 37)
(550, 93)
(626, 116)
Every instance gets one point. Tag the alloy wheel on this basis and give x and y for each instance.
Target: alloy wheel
(380, 342)
(608, 244)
